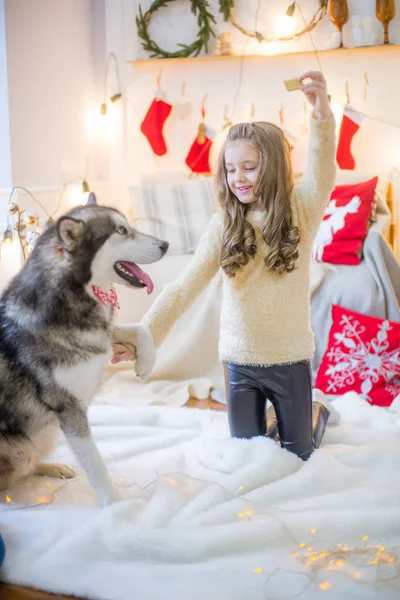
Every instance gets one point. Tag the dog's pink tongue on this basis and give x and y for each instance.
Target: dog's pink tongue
(141, 275)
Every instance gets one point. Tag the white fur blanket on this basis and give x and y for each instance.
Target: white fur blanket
(207, 517)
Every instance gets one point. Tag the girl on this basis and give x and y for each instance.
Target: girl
(261, 241)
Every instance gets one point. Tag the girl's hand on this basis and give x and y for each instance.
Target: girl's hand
(135, 342)
(122, 353)
(316, 93)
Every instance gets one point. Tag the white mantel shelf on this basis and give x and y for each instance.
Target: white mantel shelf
(384, 49)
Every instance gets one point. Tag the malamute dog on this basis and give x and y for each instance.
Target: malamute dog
(56, 337)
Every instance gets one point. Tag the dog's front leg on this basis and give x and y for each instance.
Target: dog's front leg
(140, 336)
(75, 425)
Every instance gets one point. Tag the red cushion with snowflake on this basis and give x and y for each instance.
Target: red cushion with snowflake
(363, 356)
(345, 223)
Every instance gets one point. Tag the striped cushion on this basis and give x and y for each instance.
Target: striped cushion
(178, 213)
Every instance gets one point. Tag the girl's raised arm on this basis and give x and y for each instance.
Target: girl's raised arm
(319, 176)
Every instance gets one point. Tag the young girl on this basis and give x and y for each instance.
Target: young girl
(261, 240)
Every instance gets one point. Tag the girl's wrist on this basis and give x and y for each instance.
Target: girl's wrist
(322, 113)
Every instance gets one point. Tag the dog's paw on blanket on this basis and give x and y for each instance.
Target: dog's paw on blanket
(55, 470)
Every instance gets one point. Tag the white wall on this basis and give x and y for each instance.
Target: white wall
(52, 88)
(52, 58)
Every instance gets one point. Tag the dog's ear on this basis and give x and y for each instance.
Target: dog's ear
(70, 232)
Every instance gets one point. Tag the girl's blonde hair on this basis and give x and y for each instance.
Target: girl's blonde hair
(272, 193)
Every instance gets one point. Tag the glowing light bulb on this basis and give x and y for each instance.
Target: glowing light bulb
(285, 25)
(76, 196)
(325, 585)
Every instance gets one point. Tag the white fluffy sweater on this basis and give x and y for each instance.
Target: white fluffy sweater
(265, 317)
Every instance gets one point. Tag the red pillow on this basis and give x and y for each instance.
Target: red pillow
(345, 224)
(363, 356)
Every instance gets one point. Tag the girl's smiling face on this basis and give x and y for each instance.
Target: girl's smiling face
(242, 163)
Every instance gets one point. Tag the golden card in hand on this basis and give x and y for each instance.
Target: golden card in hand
(293, 84)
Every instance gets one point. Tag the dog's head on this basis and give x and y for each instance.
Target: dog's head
(104, 248)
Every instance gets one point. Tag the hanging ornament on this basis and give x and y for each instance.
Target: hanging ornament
(182, 109)
(227, 120)
(350, 124)
(153, 123)
(199, 154)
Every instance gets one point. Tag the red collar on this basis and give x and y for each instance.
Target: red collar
(106, 299)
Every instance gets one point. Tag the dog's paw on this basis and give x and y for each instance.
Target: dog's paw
(145, 354)
(142, 340)
(55, 470)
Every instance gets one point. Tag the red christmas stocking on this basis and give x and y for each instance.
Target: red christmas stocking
(198, 157)
(153, 124)
(351, 122)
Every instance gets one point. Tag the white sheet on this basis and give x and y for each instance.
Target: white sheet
(208, 517)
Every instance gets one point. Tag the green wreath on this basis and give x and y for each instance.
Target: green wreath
(204, 21)
(225, 7)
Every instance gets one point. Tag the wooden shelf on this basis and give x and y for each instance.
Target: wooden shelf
(388, 49)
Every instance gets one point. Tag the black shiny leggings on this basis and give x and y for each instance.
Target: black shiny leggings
(289, 389)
